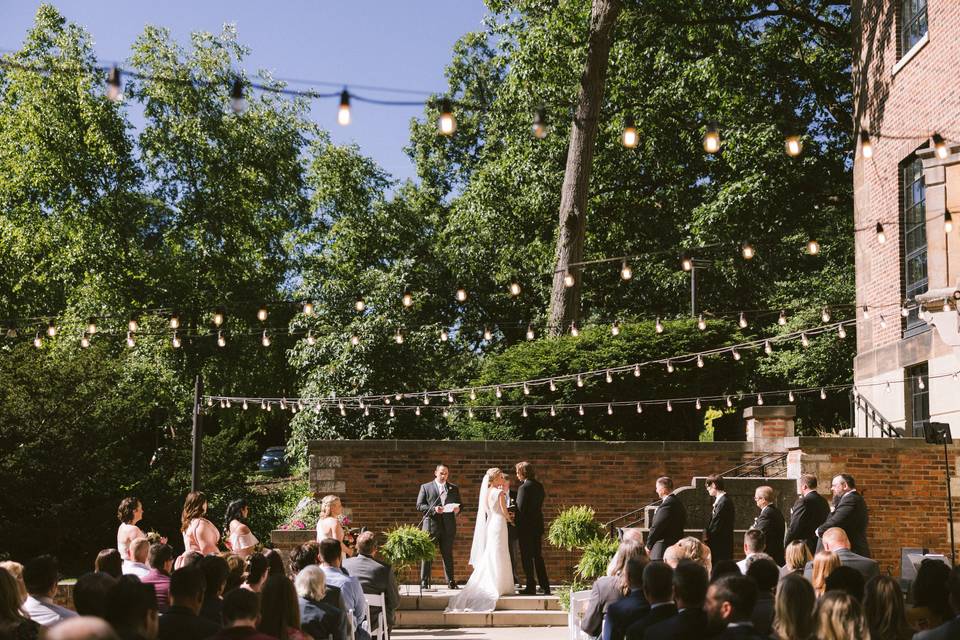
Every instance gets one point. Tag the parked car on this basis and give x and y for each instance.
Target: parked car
(274, 460)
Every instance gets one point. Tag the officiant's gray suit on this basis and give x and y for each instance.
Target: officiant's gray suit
(441, 527)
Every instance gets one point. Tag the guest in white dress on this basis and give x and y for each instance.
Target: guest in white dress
(240, 539)
(328, 526)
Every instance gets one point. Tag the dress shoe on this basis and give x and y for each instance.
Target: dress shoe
(528, 592)
(453, 585)
(424, 585)
(546, 592)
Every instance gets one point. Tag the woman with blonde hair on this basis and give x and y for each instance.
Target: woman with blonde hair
(839, 617)
(16, 570)
(612, 587)
(797, 556)
(884, 610)
(199, 534)
(793, 607)
(329, 526)
(14, 623)
(689, 548)
(823, 565)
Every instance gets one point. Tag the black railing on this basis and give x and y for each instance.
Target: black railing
(615, 531)
(871, 417)
(768, 465)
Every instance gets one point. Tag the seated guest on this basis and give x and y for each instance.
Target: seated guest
(950, 629)
(132, 609)
(729, 607)
(796, 556)
(884, 610)
(609, 588)
(689, 591)
(15, 569)
(258, 570)
(90, 593)
(40, 576)
(846, 579)
(625, 611)
(793, 608)
(160, 561)
(689, 548)
(214, 570)
(109, 562)
(274, 563)
(350, 589)
(303, 556)
(753, 542)
(82, 628)
(188, 559)
(840, 617)
(766, 574)
(836, 540)
(137, 563)
(280, 610)
(770, 521)
(317, 617)
(930, 596)
(235, 567)
(374, 576)
(658, 591)
(725, 568)
(13, 622)
(182, 620)
(241, 613)
(824, 563)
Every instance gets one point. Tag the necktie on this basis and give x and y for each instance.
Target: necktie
(443, 494)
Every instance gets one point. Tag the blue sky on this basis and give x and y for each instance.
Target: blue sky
(397, 43)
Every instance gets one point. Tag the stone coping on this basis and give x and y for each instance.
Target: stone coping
(322, 446)
(771, 411)
(811, 444)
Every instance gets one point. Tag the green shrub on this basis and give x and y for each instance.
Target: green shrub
(596, 556)
(573, 528)
(407, 545)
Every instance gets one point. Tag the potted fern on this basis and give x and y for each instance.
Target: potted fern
(406, 546)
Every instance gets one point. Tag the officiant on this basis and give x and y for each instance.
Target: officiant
(439, 502)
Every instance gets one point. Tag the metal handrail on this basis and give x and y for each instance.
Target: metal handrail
(609, 525)
(737, 471)
(871, 413)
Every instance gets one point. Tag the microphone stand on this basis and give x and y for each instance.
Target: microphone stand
(430, 512)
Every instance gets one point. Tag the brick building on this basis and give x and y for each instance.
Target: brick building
(906, 77)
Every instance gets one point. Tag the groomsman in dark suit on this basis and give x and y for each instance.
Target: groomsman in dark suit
(668, 522)
(719, 532)
(530, 497)
(441, 524)
(849, 513)
(771, 522)
(809, 512)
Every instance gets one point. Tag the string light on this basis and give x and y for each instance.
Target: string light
(736, 355)
(767, 347)
(626, 272)
(700, 362)
(407, 299)
(38, 341)
(743, 321)
(51, 328)
(940, 146)
(658, 327)
(881, 236)
(131, 343)
(669, 406)
(84, 341)
(487, 334)
(359, 304)
(540, 123)
(904, 311)
(497, 412)
(450, 398)
(221, 341)
(91, 326)
(417, 411)
(262, 314)
(698, 405)
(174, 321)
(686, 263)
(946, 304)
(132, 324)
(920, 383)
(609, 377)
(245, 407)
(343, 112)
(794, 146)
(883, 322)
(823, 394)
(514, 289)
(444, 336)
(237, 102)
(524, 412)
(841, 332)
(354, 339)
(310, 339)
(636, 371)
(574, 331)
(470, 412)
(426, 398)
(804, 340)
(553, 411)
(393, 413)
(790, 397)
(526, 389)
(615, 328)
(580, 409)
(609, 409)
(114, 88)
(461, 295)
(629, 136)
(473, 394)
(866, 147)
(782, 319)
(639, 408)
(579, 380)
(498, 393)
(711, 139)
(866, 312)
(445, 412)
(813, 247)
(175, 340)
(825, 314)
(398, 338)
(670, 367)
(747, 250)
(569, 280)
(729, 401)
(701, 323)
(553, 385)
(448, 124)
(308, 309)
(760, 399)
(265, 339)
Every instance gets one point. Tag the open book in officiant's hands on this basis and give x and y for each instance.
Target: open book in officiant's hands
(450, 506)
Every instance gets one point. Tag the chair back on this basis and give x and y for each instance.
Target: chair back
(377, 600)
(579, 604)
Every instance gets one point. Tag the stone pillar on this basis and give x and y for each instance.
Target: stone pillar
(767, 426)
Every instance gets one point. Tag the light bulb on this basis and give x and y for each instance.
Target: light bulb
(669, 406)
(813, 247)
(790, 397)
(444, 336)
(697, 404)
(686, 263)
(540, 123)
(407, 299)
(782, 320)
(221, 341)
(625, 271)
(940, 146)
(579, 380)
(217, 318)
(530, 334)
(84, 341)
(866, 312)
(526, 389)
(487, 334)
(245, 406)
(636, 371)
(237, 102)
(496, 412)
(174, 321)
(473, 394)
(670, 367)
(175, 341)
(366, 411)
(393, 413)
(398, 338)
(574, 331)
(269, 406)
(736, 355)
(947, 222)
(461, 295)
(132, 324)
(514, 289)
(524, 412)
(920, 383)
(498, 392)
(359, 305)
(91, 326)
(262, 314)
(804, 340)
(701, 323)
(825, 314)
(569, 280)
(841, 332)
(308, 308)
(580, 409)
(343, 112)
(131, 343)
(747, 250)
(311, 340)
(609, 377)
(823, 394)
(448, 123)
(450, 397)
(711, 139)
(759, 399)
(469, 411)
(729, 401)
(52, 328)
(743, 321)
(881, 236)
(767, 347)
(426, 398)
(265, 339)
(444, 412)
(553, 385)
(700, 362)
(114, 88)
(553, 411)
(793, 145)
(354, 339)
(905, 310)
(639, 408)
(609, 409)
(658, 327)
(629, 136)
(866, 147)
(615, 328)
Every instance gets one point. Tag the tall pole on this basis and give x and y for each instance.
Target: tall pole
(693, 289)
(946, 464)
(197, 435)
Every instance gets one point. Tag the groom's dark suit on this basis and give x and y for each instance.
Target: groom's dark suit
(442, 527)
(530, 498)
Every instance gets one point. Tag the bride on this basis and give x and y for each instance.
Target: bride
(490, 556)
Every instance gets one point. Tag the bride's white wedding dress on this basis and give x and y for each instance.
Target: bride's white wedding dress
(490, 556)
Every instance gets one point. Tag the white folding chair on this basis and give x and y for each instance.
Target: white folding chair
(381, 632)
(579, 603)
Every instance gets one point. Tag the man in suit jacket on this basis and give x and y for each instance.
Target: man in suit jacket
(836, 540)
(441, 524)
(809, 512)
(951, 628)
(849, 513)
(513, 541)
(375, 577)
(668, 521)
(530, 498)
(689, 590)
(719, 532)
(658, 590)
(729, 606)
(624, 612)
(770, 521)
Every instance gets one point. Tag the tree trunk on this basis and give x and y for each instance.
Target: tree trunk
(565, 301)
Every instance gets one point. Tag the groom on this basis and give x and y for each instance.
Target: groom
(530, 497)
(441, 524)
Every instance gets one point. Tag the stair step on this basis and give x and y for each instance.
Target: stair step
(508, 618)
(439, 601)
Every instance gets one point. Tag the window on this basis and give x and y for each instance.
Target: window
(913, 23)
(918, 399)
(914, 225)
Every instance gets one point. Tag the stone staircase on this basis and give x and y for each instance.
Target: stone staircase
(426, 610)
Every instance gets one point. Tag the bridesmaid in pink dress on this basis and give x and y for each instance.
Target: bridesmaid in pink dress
(199, 534)
(240, 539)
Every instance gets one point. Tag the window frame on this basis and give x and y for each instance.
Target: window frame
(912, 13)
(913, 221)
(917, 400)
